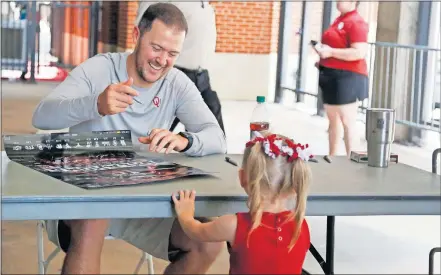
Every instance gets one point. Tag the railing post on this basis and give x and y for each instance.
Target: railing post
(422, 39)
(280, 54)
(285, 34)
(94, 11)
(303, 52)
(32, 38)
(327, 18)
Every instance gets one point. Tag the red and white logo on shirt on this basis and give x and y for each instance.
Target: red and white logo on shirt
(340, 25)
(156, 101)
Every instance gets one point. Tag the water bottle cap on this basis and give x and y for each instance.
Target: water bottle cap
(260, 99)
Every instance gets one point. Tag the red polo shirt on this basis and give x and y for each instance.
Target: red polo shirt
(347, 29)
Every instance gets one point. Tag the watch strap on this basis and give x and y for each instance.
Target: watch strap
(189, 137)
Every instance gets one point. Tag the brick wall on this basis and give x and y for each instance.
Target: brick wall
(252, 27)
(109, 23)
(80, 20)
(70, 31)
(275, 27)
(126, 17)
(242, 27)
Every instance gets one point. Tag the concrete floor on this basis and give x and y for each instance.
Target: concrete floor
(381, 245)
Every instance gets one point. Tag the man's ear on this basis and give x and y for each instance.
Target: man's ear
(135, 34)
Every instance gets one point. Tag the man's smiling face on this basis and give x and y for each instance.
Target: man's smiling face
(157, 50)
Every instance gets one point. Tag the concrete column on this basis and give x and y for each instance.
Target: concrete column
(432, 81)
(303, 52)
(285, 33)
(393, 80)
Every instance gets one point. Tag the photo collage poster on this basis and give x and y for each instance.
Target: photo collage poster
(92, 160)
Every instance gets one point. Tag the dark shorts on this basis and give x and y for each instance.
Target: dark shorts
(64, 236)
(340, 87)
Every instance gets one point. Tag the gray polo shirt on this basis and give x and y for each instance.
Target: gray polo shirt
(73, 104)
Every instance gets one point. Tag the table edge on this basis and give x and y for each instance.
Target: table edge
(156, 198)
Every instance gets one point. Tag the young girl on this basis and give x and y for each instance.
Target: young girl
(272, 238)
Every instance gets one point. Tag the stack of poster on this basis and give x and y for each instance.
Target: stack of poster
(92, 160)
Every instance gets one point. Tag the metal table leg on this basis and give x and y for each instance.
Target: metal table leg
(431, 258)
(434, 250)
(330, 236)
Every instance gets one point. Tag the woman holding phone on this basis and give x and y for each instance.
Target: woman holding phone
(343, 76)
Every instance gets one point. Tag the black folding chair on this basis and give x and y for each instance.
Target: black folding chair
(318, 258)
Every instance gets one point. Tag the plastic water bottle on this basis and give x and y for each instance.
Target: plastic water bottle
(260, 120)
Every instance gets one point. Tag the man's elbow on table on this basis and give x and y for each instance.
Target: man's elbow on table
(221, 147)
(208, 143)
(38, 119)
(44, 119)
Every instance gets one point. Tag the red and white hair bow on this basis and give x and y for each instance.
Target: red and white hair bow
(274, 147)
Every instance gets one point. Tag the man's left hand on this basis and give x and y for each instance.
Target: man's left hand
(161, 138)
(324, 51)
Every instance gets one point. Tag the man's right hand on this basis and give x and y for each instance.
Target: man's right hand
(116, 98)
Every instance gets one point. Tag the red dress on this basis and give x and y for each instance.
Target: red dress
(268, 251)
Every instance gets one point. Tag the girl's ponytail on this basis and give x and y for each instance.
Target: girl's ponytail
(256, 167)
(300, 179)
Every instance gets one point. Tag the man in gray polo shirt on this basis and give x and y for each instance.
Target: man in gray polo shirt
(141, 92)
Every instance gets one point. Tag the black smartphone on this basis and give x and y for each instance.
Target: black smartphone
(313, 42)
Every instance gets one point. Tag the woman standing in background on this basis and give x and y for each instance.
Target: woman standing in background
(343, 76)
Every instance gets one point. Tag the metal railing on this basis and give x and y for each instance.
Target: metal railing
(40, 34)
(14, 38)
(407, 79)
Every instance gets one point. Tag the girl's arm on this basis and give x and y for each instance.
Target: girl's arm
(218, 230)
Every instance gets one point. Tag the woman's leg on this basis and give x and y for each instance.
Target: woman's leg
(332, 113)
(348, 117)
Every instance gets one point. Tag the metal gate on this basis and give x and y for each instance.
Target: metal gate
(41, 34)
(14, 39)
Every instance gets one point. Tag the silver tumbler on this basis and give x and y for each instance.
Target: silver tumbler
(380, 132)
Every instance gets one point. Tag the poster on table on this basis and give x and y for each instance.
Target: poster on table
(92, 160)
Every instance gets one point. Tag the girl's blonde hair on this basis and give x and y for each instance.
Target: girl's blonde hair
(275, 178)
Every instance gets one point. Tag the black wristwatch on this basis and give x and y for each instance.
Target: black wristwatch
(189, 137)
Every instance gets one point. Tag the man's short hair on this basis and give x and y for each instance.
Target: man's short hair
(167, 13)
